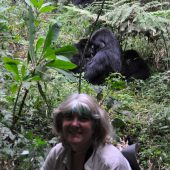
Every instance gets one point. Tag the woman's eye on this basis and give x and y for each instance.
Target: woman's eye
(68, 117)
(84, 118)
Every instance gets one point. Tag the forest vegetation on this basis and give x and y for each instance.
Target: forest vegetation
(36, 42)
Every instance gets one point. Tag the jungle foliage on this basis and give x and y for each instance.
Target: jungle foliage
(37, 40)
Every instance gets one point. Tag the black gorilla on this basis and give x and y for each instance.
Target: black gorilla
(134, 67)
(107, 56)
(77, 58)
(83, 3)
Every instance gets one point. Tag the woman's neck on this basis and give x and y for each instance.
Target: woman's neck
(79, 157)
(77, 160)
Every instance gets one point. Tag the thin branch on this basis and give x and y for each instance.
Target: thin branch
(87, 43)
(15, 104)
(23, 101)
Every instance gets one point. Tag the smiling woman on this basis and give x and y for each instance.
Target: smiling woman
(85, 130)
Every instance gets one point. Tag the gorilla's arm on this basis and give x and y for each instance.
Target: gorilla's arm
(97, 68)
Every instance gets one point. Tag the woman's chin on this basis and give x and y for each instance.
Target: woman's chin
(74, 140)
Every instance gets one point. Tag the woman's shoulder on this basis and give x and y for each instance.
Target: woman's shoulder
(50, 161)
(111, 156)
(56, 149)
(109, 150)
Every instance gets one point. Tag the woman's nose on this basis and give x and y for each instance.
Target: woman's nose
(75, 122)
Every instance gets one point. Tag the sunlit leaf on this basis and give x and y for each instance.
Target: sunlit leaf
(25, 152)
(23, 70)
(50, 54)
(31, 28)
(63, 58)
(61, 64)
(13, 68)
(35, 3)
(40, 3)
(68, 51)
(13, 88)
(29, 3)
(32, 78)
(8, 60)
(39, 43)
(51, 36)
(39, 142)
(47, 9)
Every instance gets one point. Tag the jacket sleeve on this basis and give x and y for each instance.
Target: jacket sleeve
(50, 161)
(121, 166)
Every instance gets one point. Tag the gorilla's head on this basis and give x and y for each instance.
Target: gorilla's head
(82, 3)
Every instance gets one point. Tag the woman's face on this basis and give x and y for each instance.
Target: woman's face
(77, 131)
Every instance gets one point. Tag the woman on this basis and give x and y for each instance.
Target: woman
(84, 130)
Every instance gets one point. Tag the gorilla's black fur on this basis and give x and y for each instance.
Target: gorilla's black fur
(103, 56)
(134, 67)
(83, 3)
(77, 58)
(107, 56)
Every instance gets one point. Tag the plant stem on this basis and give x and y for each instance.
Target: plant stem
(15, 104)
(87, 43)
(22, 103)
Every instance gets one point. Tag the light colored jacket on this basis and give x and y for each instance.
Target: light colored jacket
(106, 157)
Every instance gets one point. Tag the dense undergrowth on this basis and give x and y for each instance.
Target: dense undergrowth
(139, 111)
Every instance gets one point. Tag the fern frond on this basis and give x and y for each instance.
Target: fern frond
(148, 21)
(162, 13)
(155, 5)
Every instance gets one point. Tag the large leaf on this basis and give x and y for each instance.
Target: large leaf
(61, 64)
(35, 3)
(39, 43)
(23, 71)
(29, 3)
(31, 28)
(67, 50)
(8, 60)
(51, 36)
(50, 54)
(40, 3)
(32, 78)
(13, 68)
(47, 7)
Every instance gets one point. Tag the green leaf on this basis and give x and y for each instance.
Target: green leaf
(40, 3)
(31, 28)
(48, 8)
(29, 3)
(118, 84)
(13, 68)
(23, 71)
(8, 60)
(32, 78)
(63, 58)
(35, 3)
(61, 64)
(13, 88)
(67, 50)
(39, 43)
(39, 142)
(50, 54)
(51, 36)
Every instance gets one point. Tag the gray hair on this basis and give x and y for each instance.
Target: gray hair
(85, 104)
